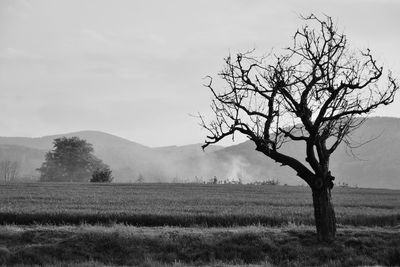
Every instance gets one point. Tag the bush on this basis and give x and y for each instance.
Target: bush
(103, 175)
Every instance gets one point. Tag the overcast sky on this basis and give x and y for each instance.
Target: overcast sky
(135, 68)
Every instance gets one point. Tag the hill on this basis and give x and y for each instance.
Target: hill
(374, 164)
(122, 155)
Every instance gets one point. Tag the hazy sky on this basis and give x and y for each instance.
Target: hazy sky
(135, 68)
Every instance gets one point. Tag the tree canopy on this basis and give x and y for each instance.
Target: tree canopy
(103, 175)
(317, 92)
(71, 160)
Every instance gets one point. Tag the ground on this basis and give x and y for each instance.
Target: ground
(198, 246)
(192, 225)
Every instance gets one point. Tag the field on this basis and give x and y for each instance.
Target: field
(88, 245)
(56, 224)
(189, 205)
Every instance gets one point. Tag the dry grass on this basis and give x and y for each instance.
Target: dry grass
(89, 245)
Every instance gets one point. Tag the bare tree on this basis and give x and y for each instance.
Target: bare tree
(317, 93)
(9, 170)
(4, 169)
(14, 170)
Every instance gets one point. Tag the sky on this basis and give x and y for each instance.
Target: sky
(136, 68)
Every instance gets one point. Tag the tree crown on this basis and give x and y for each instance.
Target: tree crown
(317, 92)
(71, 159)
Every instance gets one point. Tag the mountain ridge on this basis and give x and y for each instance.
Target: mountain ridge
(129, 160)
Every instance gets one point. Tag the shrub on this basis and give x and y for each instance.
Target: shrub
(103, 175)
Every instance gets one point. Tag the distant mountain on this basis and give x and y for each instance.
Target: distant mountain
(96, 138)
(125, 157)
(188, 150)
(375, 164)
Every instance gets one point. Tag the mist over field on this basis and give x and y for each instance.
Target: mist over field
(373, 164)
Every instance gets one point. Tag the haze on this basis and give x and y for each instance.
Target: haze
(135, 68)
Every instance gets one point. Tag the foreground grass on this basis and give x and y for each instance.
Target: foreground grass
(170, 246)
(188, 205)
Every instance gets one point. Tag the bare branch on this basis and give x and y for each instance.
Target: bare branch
(318, 91)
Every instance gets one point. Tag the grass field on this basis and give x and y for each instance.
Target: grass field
(189, 205)
(88, 245)
(56, 224)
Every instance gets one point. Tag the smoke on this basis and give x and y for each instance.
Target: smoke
(176, 166)
(237, 170)
(187, 164)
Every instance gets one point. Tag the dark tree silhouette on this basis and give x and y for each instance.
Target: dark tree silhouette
(102, 175)
(317, 92)
(71, 160)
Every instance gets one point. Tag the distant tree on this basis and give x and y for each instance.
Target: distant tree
(9, 170)
(71, 160)
(140, 178)
(213, 180)
(315, 93)
(102, 175)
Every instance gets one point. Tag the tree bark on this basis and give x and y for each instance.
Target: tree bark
(325, 220)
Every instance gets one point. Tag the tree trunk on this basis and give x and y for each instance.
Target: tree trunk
(325, 219)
